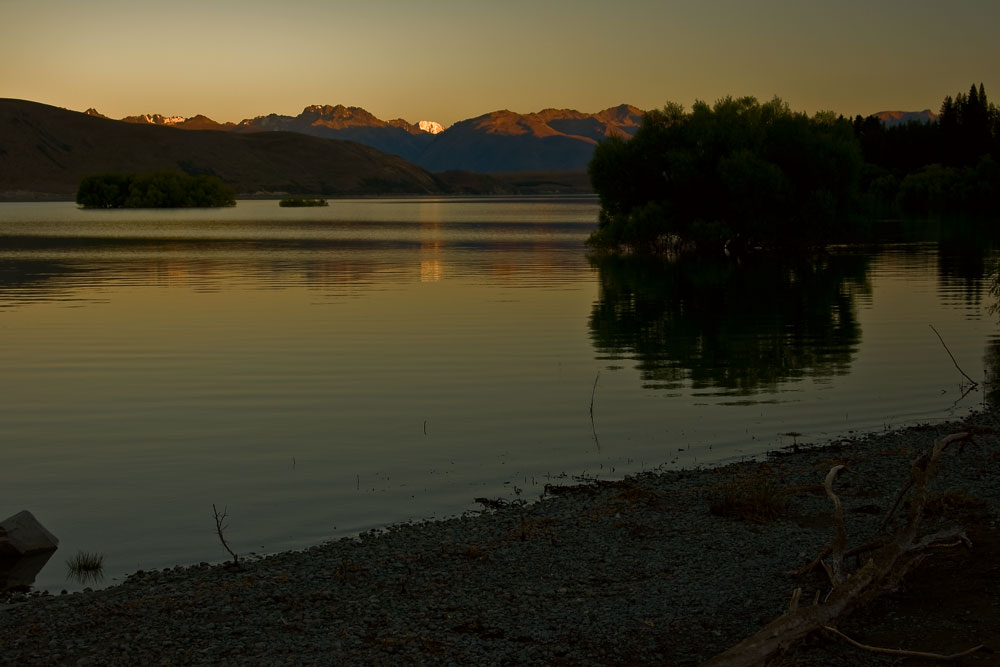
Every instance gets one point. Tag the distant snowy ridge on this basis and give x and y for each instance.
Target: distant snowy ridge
(154, 119)
(430, 126)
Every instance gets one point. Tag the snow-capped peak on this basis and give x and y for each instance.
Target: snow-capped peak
(155, 119)
(430, 126)
(166, 120)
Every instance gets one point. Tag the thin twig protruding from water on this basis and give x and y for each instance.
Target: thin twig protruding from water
(974, 383)
(220, 526)
(593, 428)
(592, 392)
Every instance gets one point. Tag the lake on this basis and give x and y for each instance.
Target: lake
(322, 372)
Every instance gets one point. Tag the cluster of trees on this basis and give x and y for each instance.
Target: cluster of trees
(735, 176)
(740, 174)
(155, 189)
(951, 166)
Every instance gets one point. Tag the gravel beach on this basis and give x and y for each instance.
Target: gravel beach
(631, 572)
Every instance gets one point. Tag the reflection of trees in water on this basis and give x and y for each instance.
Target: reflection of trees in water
(739, 326)
(963, 253)
(962, 273)
(32, 280)
(966, 265)
(17, 274)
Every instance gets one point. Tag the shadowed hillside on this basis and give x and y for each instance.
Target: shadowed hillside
(550, 140)
(46, 151)
(396, 137)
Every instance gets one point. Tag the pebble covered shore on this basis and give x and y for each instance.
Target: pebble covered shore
(630, 572)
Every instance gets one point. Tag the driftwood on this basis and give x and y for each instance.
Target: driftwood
(899, 651)
(896, 556)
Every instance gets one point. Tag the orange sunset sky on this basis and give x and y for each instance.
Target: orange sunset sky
(447, 60)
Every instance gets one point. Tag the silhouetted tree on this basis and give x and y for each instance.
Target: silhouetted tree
(737, 175)
(103, 191)
(155, 189)
(945, 167)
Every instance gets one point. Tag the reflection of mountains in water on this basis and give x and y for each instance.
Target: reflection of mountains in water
(736, 327)
(68, 267)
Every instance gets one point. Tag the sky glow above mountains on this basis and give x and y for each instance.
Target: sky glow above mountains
(448, 60)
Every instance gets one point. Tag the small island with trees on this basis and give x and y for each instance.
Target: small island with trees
(295, 202)
(154, 189)
(741, 176)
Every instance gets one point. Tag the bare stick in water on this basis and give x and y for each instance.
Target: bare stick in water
(594, 391)
(592, 427)
(974, 383)
(220, 517)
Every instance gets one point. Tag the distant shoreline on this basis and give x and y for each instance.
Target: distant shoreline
(41, 197)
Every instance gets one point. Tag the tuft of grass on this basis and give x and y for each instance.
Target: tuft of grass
(749, 493)
(86, 567)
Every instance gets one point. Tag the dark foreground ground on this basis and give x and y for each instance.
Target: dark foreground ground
(633, 572)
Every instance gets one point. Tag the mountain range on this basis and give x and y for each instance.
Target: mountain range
(45, 151)
(325, 150)
(501, 141)
(496, 142)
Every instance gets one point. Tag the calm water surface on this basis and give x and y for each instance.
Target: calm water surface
(321, 372)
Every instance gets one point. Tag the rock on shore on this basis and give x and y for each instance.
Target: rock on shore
(23, 535)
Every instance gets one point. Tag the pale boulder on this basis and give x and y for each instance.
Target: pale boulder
(22, 535)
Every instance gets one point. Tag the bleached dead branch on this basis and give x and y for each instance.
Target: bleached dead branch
(880, 574)
(902, 652)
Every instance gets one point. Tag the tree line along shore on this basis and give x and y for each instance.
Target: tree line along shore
(742, 175)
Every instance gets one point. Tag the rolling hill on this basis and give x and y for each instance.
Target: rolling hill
(45, 151)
